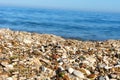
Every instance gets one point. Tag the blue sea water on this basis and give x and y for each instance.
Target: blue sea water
(66, 23)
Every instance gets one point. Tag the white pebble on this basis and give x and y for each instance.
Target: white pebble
(9, 78)
(70, 70)
(78, 74)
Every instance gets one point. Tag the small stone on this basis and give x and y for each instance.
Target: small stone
(117, 65)
(113, 79)
(9, 67)
(113, 75)
(4, 75)
(82, 65)
(70, 70)
(107, 78)
(65, 60)
(101, 78)
(106, 67)
(36, 63)
(78, 74)
(60, 63)
(85, 71)
(92, 76)
(91, 60)
(55, 56)
(77, 78)
(64, 55)
(86, 62)
(9, 78)
(27, 41)
(0, 50)
(66, 77)
(4, 63)
(118, 62)
(117, 55)
(81, 58)
(61, 68)
(43, 68)
(102, 66)
(43, 49)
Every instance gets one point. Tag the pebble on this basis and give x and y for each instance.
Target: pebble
(60, 63)
(101, 78)
(107, 68)
(43, 68)
(70, 70)
(45, 56)
(9, 78)
(118, 63)
(85, 71)
(113, 75)
(107, 78)
(27, 41)
(61, 68)
(4, 63)
(78, 74)
(9, 67)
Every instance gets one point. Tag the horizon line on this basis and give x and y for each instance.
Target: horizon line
(59, 8)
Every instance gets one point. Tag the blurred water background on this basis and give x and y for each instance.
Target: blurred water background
(83, 25)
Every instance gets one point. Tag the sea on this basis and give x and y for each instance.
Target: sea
(74, 24)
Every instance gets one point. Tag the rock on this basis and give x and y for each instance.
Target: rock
(9, 67)
(64, 55)
(60, 63)
(86, 62)
(92, 76)
(36, 63)
(70, 70)
(106, 67)
(117, 65)
(43, 68)
(61, 68)
(107, 78)
(66, 77)
(78, 74)
(4, 75)
(101, 78)
(27, 41)
(65, 60)
(4, 63)
(113, 75)
(91, 61)
(118, 62)
(102, 66)
(0, 50)
(42, 48)
(9, 78)
(85, 71)
(77, 78)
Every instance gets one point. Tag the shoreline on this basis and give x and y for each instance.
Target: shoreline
(64, 37)
(25, 55)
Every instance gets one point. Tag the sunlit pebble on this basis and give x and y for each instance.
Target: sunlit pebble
(9, 78)
(70, 70)
(60, 63)
(92, 76)
(78, 74)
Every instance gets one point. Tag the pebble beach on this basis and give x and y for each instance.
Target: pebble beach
(33, 56)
